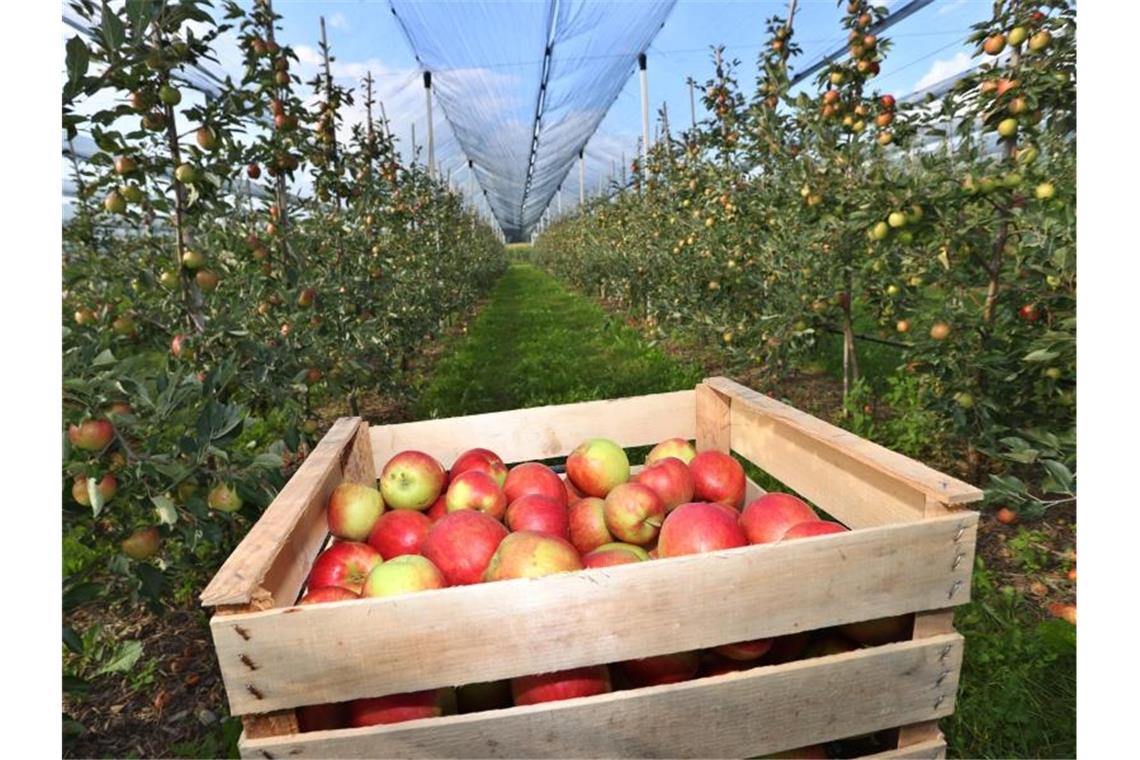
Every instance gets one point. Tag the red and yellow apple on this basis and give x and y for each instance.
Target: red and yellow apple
(396, 708)
(483, 460)
(328, 594)
(401, 531)
(661, 669)
(765, 520)
(699, 527)
(405, 574)
(539, 514)
(634, 513)
(346, 564)
(717, 477)
(461, 545)
(528, 554)
(411, 480)
(608, 555)
(745, 651)
(91, 435)
(815, 527)
(534, 477)
(564, 684)
(672, 447)
(597, 466)
(670, 479)
(587, 524)
(353, 509)
(474, 489)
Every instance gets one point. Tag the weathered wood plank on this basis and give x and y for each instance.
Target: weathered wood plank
(714, 431)
(932, 749)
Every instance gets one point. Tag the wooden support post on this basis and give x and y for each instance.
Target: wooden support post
(714, 431)
(641, 64)
(582, 177)
(430, 126)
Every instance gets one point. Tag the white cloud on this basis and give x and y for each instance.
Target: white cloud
(944, 68)
(950, 6)
(338, 21)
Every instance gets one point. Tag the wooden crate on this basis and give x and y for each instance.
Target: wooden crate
(911, 549)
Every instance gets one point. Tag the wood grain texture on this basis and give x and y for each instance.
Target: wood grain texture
(931, 749)
(926, 625)
(740, 714)
(543, 432)
(713, 419)
(914, 474)
(275, 556)
(346, 650)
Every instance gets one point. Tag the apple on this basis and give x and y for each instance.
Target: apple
(1007, 127)
(587, 524)
(672, 447)
(461, 545)
(539, 514)
(766, 519)
(142, 544)
(533, 477)
(717, 477)
(1006, 516)
(529, 554)
(411, 480)
(483, 460)
(207, 280)
(745, 651)
(608, 555)
(880, 231)
(880, 631)
(489, 695)
(186, 174)
(939, 331)
(398, 532)
(107, 488)
(91, 435)
(572, 493)
(322, 717)
(597, 466)
(670, 479)
(811, 752)
(353, 510)
(1040, 41)
(699, 527)
(193, 260)
(902, 326)
(661, 669)
(207, 138)
(564, 684)
(346, 564)
(125, 165)
(224, 498)
(896, 219)
(634, 513)
(994, 44)
(306, 298)
(475, 489)
(437, 509)
(887, 102)
(714, 665)
(814, 527)
(253, 171)
(328, 594)
(1044, 191)
(403, 575)
(395, 708)
(169, 95)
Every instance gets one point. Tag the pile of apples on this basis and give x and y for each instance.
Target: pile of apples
(427, 528)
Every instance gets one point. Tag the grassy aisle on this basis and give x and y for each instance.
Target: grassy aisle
(536, 343)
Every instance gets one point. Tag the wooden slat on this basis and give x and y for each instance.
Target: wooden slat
(850, 447)
(734, 715)
(543, 432)
(932, 749)
(926, 625)
(272, 561)
(713, 419)
(346, 650)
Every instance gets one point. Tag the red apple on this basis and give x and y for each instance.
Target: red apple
(765, 520)
(489, 695)
(528, 554)
(587, 522)
(699, 527)
(327, 594)
(662, 669)
(395, 708)
(401, 531)
(483, 460)
(815, 527)
(437, 509)
(564, 684)
(411, 480)
(346, 564)
(322, 717)
(608, 555)
(461, 545)
(474, 489)
(672, 447)
(353, 510)
(880, 630)
(572, 493)
(670, 479)
(533, 477)
(143, 543)
(539, 514)
(745, 651)
(634, 513)
(717, 477)
(716, 665)
(597, 466)
(91, 435)
(405, 574)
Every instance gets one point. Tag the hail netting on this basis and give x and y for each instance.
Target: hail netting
(525, 84)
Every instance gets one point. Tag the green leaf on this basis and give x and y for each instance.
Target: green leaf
(125, 658)
(95, 496)
(113, 32)
(75, 685)
(78, 58)
(72, 641)
(80, 595)
(1040, 355)
(153, 581)
(164, 506)
(104, 358)
(268, 461)
(1059, 475)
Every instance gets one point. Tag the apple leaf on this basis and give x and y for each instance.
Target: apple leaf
(125, 658)
(268, 461)
(113, 31)
(78, 58)
(164, 506)
(1040, 355)
(71, 640)
(103, 359)
(95, 496)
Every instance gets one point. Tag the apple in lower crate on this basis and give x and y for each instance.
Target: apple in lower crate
(564, 684)
(766, 519)
(328, 594)
(405, 574)
(527, 554)
(662, 669)
(539, 514)
(437, 509)
(346, 564)
(481, 460)
(715, 665)
(597, 466)
(745, 651)
(398, 532)
(476, 490)
(699, 527)
(608, 555)
(353, 510)
(670, 479)
(634, 513)
(672, 447)
(813, 528)
(587, 524)
(412, 480)
(322, 717)
(533, 477)
(396, 708)
(461, 545)
(717, 477)
(489, 695)
(880, 630)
